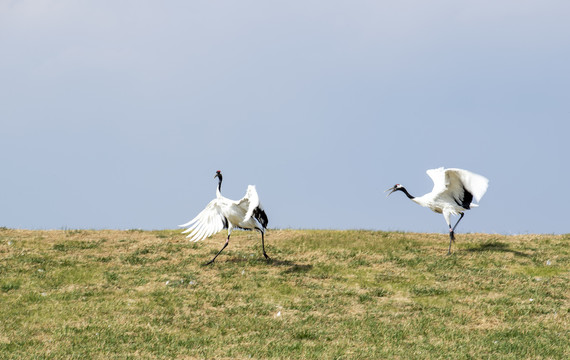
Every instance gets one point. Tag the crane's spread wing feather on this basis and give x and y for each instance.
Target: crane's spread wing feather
(208, 222)
(251, 205)
(438, 178)
(249, 202)
(474, 183)
(461, 185)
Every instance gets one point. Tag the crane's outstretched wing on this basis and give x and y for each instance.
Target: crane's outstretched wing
(474, 183)
(208, 222)
(251, 206)
(249, 202)
(461, 185)
(438, 178)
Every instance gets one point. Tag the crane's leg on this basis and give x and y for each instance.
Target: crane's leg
(461, 217)
(451, 239)
(452, 233)
(226, 244)
(263, 246)
(447, 217)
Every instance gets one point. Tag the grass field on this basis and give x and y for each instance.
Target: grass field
(324, 295)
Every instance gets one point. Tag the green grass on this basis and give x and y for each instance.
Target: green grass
(324, 295)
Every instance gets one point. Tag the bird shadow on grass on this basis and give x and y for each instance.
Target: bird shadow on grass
(496, 246)
(293, 267)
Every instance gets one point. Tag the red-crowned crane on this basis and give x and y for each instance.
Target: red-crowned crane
(223, 213)
(452, 194)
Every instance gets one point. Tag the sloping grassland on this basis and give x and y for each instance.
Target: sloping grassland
(323, 295)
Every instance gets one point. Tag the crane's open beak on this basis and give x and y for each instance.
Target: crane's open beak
(391, 190)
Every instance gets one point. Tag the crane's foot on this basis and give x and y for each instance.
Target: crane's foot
(266, 256)
(209, 262)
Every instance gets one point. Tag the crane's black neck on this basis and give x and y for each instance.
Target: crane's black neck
(220, 182)
(403, 189)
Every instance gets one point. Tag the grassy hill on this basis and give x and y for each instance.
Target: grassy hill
(324, 295)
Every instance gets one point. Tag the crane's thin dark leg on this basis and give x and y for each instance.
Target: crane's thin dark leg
(263, 246)
(226, 244)
(451, 238)
(461, 217)
(452, 233)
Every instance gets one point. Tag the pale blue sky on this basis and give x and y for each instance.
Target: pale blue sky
(116, 114)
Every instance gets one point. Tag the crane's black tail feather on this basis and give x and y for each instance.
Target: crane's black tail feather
(260, 216)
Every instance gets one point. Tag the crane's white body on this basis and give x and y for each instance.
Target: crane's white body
(223, 213)
(448, 193)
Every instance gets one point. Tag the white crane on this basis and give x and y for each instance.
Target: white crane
(223, 213)
(452, 194)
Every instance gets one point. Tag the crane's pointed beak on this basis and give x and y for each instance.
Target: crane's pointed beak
(391, 190)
